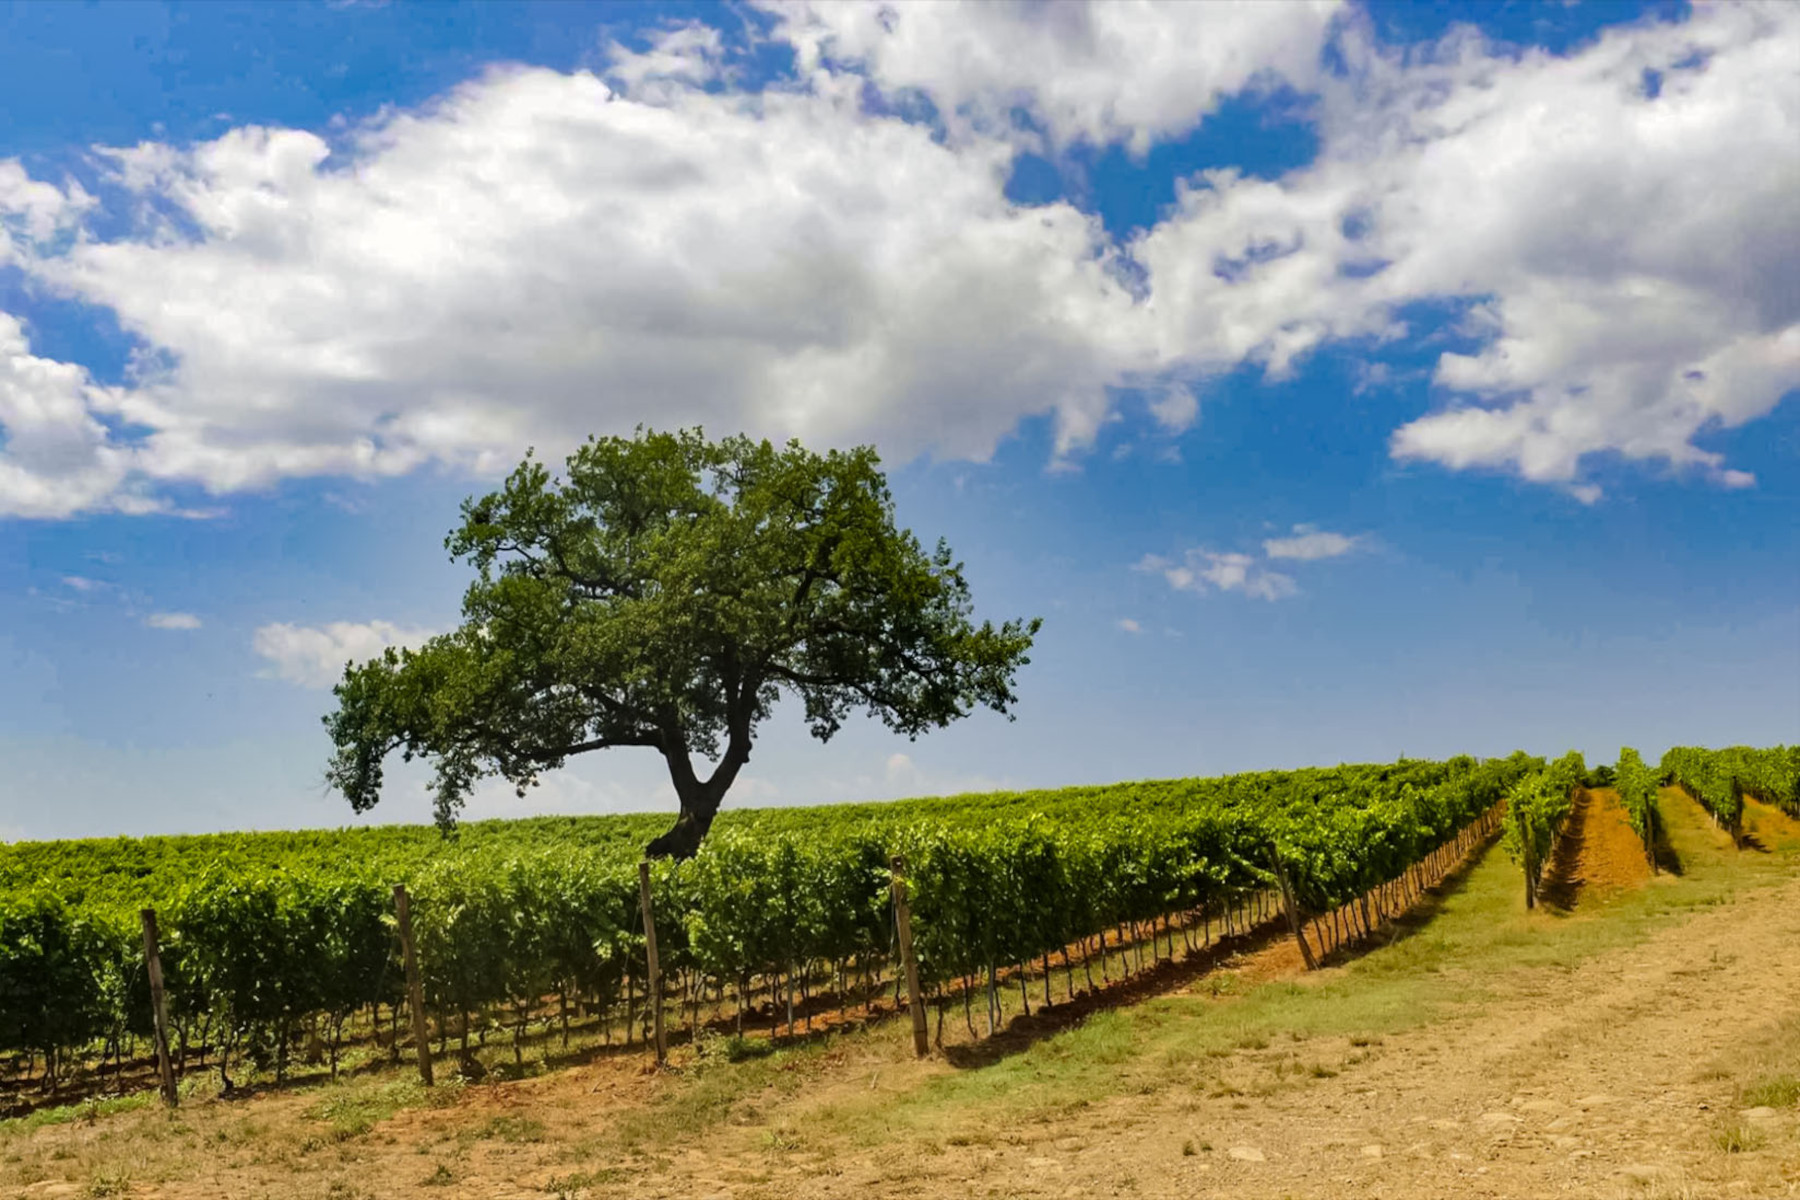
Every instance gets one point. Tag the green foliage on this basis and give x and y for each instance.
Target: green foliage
(1636, 784)
(1720, 779)
(54, 961)
(664, 594)
(265, 935)
(1537, 805)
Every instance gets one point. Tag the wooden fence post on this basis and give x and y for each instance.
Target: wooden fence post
(1293, 913)
(903, 920)
(159, 1009)
(655, 970)
(415, 991)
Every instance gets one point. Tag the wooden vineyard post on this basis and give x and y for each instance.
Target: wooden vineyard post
(159, 1009)
(415, 991)
(1293, 914)
(903, 921)
(655, 980)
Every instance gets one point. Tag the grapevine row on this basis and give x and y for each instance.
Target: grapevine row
(262, 961)
(1720, 779)
(1537, 809)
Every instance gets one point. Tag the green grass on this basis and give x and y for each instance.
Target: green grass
(1778, 1091)
(513, 1129)
(85, 1110)
(352, 1108)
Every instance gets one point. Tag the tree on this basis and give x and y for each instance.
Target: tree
(665, 594)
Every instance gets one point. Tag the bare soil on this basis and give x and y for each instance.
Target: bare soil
(1599, 851)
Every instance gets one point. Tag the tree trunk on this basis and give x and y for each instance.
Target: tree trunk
(700, 799)
(682, 841)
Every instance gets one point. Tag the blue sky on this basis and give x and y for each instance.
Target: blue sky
(1337, 382)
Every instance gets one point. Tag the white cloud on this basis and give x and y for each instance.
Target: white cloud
(315, 657)
(901, 776)
(1129, 625)
(537, 256)
(172, 620)
(33, 209)
(1201, 570)
(1629, 259)
(1175, 407)
(56, 458)
(901, 770)
(1121, 71)
(81, 583)
(1309, 542)
(688, 54)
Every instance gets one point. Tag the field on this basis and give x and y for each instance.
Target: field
(281, 950)
(1626, 1037)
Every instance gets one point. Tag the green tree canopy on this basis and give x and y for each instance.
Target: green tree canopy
(664, 594)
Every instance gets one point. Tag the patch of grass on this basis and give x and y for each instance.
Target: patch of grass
(782, 1140)
(1778, 1091)
(352, 1109)
(731, 1048)
(86, 1110)
(442, 1177)
(1735, 1137)
(570, 1187)
(709, 1095)
(115, 1181)
(513, 1129)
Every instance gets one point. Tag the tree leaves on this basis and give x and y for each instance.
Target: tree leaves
(664, 593)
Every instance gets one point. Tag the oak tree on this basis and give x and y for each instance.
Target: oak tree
(665, 592)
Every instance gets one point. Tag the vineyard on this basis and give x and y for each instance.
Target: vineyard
(279, 946)
(1720, 779)
(1537, 807)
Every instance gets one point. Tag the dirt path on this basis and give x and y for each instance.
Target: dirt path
(1599, 852)
(1609, 1087)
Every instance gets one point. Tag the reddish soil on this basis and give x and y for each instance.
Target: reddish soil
(1599, 852)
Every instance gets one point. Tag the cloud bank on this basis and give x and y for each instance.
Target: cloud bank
(536, 256)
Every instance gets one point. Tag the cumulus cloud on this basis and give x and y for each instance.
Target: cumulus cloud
(1175, 407)
(172, 620)
(315, 657)
(537, 256)
(1619, 222)
(56, 458)
(1201, 570)
(688, 54)
(1126, 71)
(35, 210)
(1129, 625)
(1309, 542)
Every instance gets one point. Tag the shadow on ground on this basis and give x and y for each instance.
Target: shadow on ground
(1233, 954)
